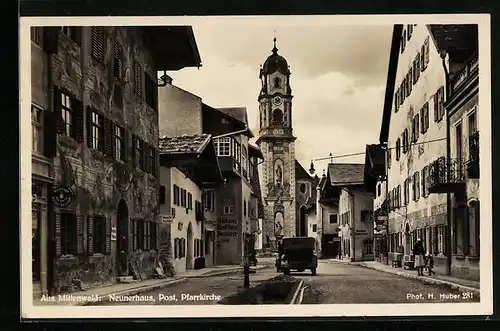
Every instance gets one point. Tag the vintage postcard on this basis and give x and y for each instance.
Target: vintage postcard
(255, 166)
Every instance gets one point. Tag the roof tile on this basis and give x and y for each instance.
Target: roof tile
(183, 144)
(346, 173)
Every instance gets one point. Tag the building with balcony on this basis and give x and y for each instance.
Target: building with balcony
(95, 150)
(421, 172)
(457, 175)
(188, 168)
(414, 133)
(229, 207)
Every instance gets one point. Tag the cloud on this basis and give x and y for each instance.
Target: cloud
(338, 80)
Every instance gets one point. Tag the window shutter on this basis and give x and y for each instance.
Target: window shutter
(58, 233)
(162, 195)
(426, 51)
(78, 120)
(76, 33)
(147, 235)
(134, 151)
(90, 234)
(50, 134)
(155, 95)
(98, 44)
(89, 127)
(134, 234)
(79, 231)
(57, 110)
(108, 235)
(436, 107)
(145, 158)
(51, 39)
(417, 124)
(410, 81)
(155, 162)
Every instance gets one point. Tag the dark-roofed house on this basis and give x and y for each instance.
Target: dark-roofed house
(425, 68)
(188, 165)
(305, 187)
(95, 142)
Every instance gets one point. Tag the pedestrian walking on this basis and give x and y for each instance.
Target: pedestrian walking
(418, 252)
(429, 262)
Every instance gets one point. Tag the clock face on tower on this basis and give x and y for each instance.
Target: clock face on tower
(277, 100)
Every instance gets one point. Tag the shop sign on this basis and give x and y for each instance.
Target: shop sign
(62, 197)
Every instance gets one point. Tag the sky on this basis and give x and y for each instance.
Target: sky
(338, 80)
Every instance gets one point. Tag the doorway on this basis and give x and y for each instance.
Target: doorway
(189, 255)
(408, 243)
(35, 247)
(122, 245)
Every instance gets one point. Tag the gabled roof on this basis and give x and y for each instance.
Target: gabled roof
(254, 151)
(185, 144)
(345, 174)
(239, 114)
(300, 172)
(454, 37)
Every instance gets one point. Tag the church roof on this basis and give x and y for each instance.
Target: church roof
(275, 62)
(344, 174)
(300, 172)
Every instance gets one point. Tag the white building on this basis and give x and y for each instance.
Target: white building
(188, 165)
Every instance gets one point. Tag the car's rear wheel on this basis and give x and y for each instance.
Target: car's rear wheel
(286, 271)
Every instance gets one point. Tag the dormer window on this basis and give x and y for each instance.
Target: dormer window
(277, 82)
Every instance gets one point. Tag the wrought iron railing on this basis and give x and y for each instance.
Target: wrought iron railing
(473, 162)
(443, 171)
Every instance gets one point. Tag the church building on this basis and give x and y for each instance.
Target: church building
(277, 143)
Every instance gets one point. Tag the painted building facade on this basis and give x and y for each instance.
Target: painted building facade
(188, 166)
(95, 108)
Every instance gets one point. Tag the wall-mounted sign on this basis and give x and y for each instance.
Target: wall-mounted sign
(166, 219)
(360, 231)
(113, 233)
(62, 196)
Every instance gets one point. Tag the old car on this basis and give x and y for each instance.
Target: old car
(297, 253)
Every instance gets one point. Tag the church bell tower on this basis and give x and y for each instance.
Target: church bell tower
(276, 142)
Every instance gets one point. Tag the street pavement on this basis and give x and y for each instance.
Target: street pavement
(334, 283)
(344, 283)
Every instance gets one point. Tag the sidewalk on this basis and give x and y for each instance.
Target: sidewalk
(140, 286)
(462, 285)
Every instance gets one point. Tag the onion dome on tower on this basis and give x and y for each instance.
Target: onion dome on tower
(274, 63)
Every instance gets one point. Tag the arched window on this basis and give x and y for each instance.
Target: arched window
(277, 117)
(277, 82)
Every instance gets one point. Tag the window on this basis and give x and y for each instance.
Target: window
(398, 196)
(244, 161)
(99, 234)
(36, 35)
(37, 127)
(118, 61)
(416, 186)
(98, 43)
(244, 208)
(67, 114)
(368, 247)
(303, 188)
(208, 197)
(184, 202)
(228, 206)
(396, 101)
(176, 248)
(403, 41)
(74, 32)
(441, 239)
(119, 143)
(176, 195)
(416, 69)
(410, 30)
(140, 229)
(333, 218)
(425, 54)
(424, 118)
(162, 195)
(68, 234)
(223, 146)
(150, 91)
(314, 227)
(277, 117)
(97, 131)
(137, 79)
(409, 81)
(366, 216)
(458, 141)
(398, 149)
(277, 82)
